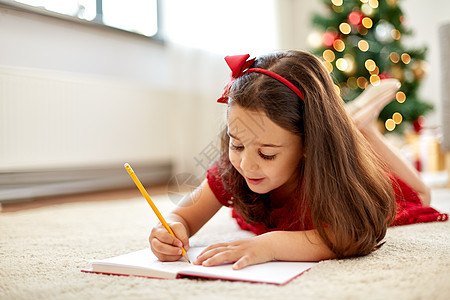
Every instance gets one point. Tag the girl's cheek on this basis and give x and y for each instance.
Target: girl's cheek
(234, 159)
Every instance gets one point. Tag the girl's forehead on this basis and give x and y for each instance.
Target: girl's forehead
(254, 126)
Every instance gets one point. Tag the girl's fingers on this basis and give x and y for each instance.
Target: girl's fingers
(217, 256)
(220, 258)
(165, 237)
(209, 252)
(243, 262)
(164, 245)
(180, 232)
(165, 248)
(214, 247)
(242, 253)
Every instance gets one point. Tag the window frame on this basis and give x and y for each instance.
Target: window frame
(96, 22)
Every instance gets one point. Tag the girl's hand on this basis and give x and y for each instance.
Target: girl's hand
(164, 245)
(242, 253)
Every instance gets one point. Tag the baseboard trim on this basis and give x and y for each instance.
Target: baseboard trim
(26, 186)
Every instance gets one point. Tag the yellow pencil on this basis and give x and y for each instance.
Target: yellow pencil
(152, 205)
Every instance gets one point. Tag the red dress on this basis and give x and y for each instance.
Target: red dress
(409, 208)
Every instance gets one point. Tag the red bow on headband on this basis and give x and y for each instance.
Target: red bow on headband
(238, 65)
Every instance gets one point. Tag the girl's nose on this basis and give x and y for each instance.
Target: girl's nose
(248, 164)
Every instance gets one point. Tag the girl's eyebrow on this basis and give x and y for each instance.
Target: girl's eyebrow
(257, 143)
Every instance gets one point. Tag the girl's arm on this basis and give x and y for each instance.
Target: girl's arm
(279, 245)
(185, 221)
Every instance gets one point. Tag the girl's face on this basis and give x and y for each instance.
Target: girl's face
(265, 154)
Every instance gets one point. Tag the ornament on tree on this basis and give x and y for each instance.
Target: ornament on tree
(419, 124)
(355, 18)
(392, 3)
(419, 69)
(409, 76)
(367, 10)
(329, 37)
(383, 31)
(397, 72)
(315, 39)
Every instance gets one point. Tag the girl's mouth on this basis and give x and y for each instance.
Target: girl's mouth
(254, 180)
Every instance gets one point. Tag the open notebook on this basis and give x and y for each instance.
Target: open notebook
(144, 263)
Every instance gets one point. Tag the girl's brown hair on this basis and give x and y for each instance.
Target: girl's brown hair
(343, 183)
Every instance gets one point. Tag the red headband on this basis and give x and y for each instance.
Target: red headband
(239, 65)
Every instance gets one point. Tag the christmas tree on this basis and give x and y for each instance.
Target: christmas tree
(360, 43)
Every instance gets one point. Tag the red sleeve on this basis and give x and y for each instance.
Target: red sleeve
(215, 182)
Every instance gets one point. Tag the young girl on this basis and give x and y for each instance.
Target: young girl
(312, 182)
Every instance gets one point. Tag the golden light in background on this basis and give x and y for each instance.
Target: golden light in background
(397, 72)
(406, 59)
(351, 65)
(419, 69)
(376, 71)
(396, 35)
(337, 2)
(328, 55)
(315, 39)
(389, 124)
(345, 28)
(400, 97)
(370, 65)
(338, 9)
(367, 10)
(392, 3)
(341, 64)
(362, 30)
(375, 80)
(397, 117)
(352, 83)
(339, 45)
(328, 66)
(373, 3)
(338, 90)
(395, 58)
(362, 82)
(363, 45)
(367, 22)
(364, 1)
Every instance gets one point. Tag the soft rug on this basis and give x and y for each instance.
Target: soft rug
(43, 250)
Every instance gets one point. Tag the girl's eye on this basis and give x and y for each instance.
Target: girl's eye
(267, 157)
(234, 147)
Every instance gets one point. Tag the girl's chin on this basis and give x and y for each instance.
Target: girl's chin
(259, 189)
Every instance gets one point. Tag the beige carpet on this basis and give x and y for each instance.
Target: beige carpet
(42, 251)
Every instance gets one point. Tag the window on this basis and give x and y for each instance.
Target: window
(138, 16)
(226, 27)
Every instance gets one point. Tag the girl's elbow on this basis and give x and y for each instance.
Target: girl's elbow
(326, 254)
